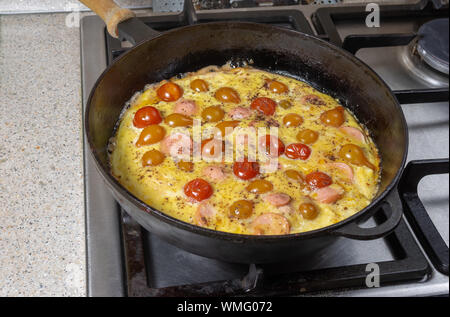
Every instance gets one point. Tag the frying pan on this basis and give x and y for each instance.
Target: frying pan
(159, 56)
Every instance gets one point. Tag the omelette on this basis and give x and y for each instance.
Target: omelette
(244, 151)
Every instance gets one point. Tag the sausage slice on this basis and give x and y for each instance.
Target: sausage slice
(270, 224)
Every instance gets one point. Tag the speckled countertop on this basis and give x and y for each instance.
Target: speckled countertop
(27, 6)
(42, 243)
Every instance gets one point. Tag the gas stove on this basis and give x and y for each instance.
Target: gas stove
(409, 50)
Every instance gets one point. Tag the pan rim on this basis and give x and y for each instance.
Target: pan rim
(111, 181)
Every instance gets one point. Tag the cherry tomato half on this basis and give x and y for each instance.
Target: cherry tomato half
(210, 150)
(277, 87)
(264, 105)
(354, 154)
(199, 85)
(245, 170)
(307, 136)
(241, 209)
(213, 114)
(318, 180)
(295, 175)
(146, 116)
(334, 117)
(178, 120)
(222, 126)
(227, 94)
(169, 92)
(259, 186)
(298, 151)
(152, 158)
(292, 120)
(150, 135)
(274, 146)
(198, 189)
(308, 211)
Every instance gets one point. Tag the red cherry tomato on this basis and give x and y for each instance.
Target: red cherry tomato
(274, 145)
(169, 92)
(245, 170)
(318, 180)
(198, 189)
(146, 116)
(264, 105)
(298, 151)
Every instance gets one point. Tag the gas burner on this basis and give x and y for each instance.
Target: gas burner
(432, 44)
(427, 55)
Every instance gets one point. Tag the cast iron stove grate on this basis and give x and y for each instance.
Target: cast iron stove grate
(288, 18)
(155, 268)
(325, 19)
(424, 11)
(415, 212)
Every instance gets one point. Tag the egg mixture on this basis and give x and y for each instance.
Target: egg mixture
(328, 167)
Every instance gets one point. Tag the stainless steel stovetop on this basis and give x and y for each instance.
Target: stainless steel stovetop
(117, 250)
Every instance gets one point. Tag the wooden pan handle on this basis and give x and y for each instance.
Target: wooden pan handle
(110, 12)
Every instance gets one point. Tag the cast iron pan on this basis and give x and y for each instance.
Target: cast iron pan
(328, 68)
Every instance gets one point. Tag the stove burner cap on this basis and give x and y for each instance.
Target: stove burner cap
(432, 45)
